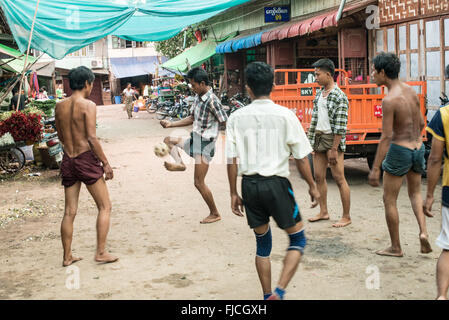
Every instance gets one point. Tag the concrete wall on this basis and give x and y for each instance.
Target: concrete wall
(131, 52)
(69, 62)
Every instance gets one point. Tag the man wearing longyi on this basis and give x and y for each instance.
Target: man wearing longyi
(76, 126)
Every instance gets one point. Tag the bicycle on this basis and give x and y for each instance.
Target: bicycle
(12, 159)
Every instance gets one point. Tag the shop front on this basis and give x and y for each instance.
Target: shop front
(418, 33)
(298, 44)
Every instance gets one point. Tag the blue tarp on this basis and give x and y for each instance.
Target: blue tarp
(135, 66)
(245, 42)
(65, 26)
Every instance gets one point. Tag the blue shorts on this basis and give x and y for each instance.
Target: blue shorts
(400, 160)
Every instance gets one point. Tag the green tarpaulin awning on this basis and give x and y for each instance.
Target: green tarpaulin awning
(66, 26)
(18, 63)
(195, 56)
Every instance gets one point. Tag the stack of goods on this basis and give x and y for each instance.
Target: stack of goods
(6, 141)
(47, 106)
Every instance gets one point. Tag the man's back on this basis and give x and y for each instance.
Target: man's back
(264, 135)
(71, 116)
(408, 121)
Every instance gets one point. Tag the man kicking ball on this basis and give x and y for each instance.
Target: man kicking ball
(262, 136)
(207, 115)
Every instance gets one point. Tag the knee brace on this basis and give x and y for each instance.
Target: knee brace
(264, 244)
(297, 241)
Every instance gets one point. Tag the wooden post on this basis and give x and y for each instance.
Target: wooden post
(26, 57)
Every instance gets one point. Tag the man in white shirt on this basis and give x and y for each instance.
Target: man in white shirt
(128, 95)
(262, 136)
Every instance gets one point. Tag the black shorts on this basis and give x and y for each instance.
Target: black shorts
(269, 196)
(197, 145)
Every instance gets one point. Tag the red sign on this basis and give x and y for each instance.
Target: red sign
(378, 111)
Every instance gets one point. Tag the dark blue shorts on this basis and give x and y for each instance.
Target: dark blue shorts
(400, 160)
(269, 196)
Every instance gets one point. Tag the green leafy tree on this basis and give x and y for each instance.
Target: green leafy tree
(174, 46)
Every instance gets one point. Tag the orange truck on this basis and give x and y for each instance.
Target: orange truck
(296, 89)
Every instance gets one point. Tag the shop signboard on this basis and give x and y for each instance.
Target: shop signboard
(277, 14)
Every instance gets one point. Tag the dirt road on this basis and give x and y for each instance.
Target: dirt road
(165, 253)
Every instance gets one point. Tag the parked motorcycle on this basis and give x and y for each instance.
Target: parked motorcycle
(243, 98)
(176, 110)
(152, 105)
(234, 104)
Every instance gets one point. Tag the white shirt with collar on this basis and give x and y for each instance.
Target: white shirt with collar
(262, 136)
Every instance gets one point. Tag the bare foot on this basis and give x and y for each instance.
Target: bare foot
(71, 260)
(174, 167)
(425, 245)
(428, 214)
(390, 252)
(211, 219)
(319, 217)
(342, 223)
(105, 258)
(441, 298)
(274, 297)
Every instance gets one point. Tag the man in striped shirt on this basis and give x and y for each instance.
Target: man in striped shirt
(327, 135)
(206, 115)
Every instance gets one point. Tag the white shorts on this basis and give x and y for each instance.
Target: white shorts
(443, 238)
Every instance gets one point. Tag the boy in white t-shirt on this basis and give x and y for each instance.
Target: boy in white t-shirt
(128, 95)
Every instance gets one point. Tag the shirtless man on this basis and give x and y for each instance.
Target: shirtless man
(402, 127)
(76, 126)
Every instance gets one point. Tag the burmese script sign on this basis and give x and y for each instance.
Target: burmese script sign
(277, 14)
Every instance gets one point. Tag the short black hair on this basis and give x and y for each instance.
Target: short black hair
(198, 75)
(447, 71)
(325, 65)
(78, 77)
(259, 77)
(389, 62)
